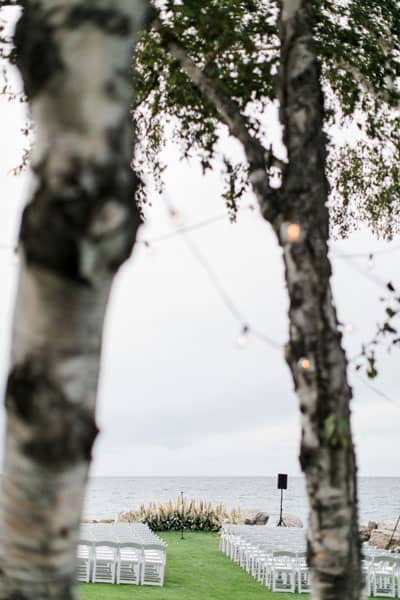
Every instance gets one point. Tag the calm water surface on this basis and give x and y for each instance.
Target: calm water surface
(107, 496)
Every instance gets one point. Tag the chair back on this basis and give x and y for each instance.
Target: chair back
(100, 545)
(85, 542)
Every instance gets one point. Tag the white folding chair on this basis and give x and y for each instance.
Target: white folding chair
(367, 569)
(154, 559)
(383, 576)
(283, 572)
(83, 560)
(396, 562)
(264, 568)
(130, 563)
(105, 557)
(303, 574)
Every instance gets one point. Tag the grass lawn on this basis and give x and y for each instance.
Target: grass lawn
(196, 570)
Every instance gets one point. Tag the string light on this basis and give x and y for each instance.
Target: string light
(306, 364)
(150, 250)
(375, 253)
(16, 256)
(374, 389)
(347, 327)
(176, 217)
(356, 267)
(14, 251)
(243, 338)
(291, 233)
(199, 225)
(371, 262)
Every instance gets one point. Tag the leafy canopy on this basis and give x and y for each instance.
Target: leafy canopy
(236, 43)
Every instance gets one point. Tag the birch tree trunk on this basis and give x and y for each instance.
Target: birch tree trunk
(78, 228)
(314, 354)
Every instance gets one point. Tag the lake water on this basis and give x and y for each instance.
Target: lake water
(108, 496)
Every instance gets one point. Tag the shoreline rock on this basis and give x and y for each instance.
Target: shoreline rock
(364, 533)
(291, 521)
(380, 538)
(97, 520)
(258, 518)
(379, 535)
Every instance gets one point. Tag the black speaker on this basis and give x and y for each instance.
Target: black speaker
(282, 481)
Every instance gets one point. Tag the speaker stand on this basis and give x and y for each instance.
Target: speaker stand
(281, 522)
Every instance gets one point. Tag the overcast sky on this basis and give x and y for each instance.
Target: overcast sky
(178, 396)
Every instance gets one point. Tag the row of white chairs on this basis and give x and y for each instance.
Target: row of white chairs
(382, 575)
(119, 532)
(261, 552)
(119, 554)
(279, 570)
(271, 538)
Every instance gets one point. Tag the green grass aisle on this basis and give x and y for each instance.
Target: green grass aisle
(196, 570)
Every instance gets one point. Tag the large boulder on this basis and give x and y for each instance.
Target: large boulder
(372, 525)
(262, 518)
(291, 521)
(364, 533)
(256, 518)
(380, 538)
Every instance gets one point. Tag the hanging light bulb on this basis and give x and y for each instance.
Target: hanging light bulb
(175, 217)
(149, 248)
(371, 262)
(347, 327)
(243, 338)
(291, 233)
(15, 256)
(306, 364)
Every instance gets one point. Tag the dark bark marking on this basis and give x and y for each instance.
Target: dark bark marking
(36, 53)
(55, 222)
(107, 19)
(62, 433)
(297, 298)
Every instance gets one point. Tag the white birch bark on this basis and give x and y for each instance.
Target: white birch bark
(78, 228)
(315, 354)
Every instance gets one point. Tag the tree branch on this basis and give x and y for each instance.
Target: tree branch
(259, 158)
(4, 3)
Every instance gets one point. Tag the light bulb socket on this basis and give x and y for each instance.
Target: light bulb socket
(243, 337)
(371, 262)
